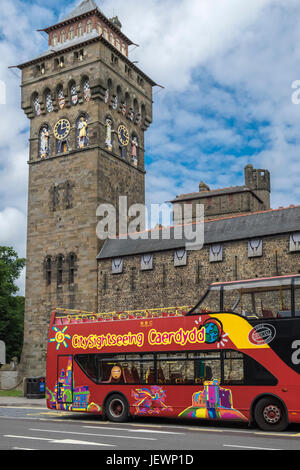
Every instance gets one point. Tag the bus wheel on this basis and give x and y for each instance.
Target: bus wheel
(270, 415)
(117, 409)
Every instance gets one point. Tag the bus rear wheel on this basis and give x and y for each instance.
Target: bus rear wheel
(117, 409)
(270, 415)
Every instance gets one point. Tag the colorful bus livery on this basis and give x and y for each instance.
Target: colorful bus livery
(235, 356)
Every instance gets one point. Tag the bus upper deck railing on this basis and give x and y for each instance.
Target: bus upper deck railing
(66, 316)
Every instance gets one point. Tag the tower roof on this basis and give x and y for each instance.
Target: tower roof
(85, 7)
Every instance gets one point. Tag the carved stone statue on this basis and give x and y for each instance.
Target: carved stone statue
(134, 147)
(44, 142)
(82, 127)
(108, 134)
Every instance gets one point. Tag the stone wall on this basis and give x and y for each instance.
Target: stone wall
(167, 286)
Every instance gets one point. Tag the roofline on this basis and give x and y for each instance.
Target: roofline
(89, 41)
(97, 12)
(207, 221)
(156, 250)
(286, 276)
(218, 192)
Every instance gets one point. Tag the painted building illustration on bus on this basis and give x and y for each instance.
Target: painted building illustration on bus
(213, 402)
(67, 396)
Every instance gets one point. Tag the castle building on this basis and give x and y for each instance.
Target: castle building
(89, 107)
(253, 196)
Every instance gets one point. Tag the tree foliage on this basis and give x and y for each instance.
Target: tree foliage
(11, 305)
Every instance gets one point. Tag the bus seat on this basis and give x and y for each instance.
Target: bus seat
(127, 376)
(267, 314)
(150, 376)
(135, 375)
(208, 373)
(161, 377)
(175, 377)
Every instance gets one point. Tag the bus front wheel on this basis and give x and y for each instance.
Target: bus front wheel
(270, 415)
(117, 409)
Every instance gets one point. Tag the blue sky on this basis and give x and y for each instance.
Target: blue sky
(227, 68)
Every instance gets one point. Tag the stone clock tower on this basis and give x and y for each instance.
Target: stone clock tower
(89, 107)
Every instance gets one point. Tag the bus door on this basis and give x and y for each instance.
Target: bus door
(65, 380)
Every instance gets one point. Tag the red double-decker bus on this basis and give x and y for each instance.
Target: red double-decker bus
(234, 356)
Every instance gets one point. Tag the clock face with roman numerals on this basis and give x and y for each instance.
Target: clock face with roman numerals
(123, 135)
(62, 129)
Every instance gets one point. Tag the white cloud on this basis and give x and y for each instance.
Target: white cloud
(227, 67)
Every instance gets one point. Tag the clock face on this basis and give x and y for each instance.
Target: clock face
(123, 135)
(62, 129)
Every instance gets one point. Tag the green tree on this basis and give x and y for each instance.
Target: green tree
(11, 305)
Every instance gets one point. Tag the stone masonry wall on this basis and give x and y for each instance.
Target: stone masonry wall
(167, 286)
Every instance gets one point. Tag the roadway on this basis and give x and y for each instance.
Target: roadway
(42, 429)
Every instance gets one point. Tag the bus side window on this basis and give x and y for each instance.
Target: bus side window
(297, 299)
(233, 368)
(256, 374)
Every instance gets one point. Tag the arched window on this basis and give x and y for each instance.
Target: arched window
(89, 27)
(73, 93)
(86, 89)
(119, 93)
(54, 39)
(44, 141)
(112, 38)
(61, 97)
(143, 111)
(72, 268)
(135, 106)
(49, 102)
(71, 33)
(118, 46)
(63, 36)
(60, 269)
(36, 104)
(99, 28)
(124, 52)
(105, 33)
(80, 30)
(48, 270)
(127, 99)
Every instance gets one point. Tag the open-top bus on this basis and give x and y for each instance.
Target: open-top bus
(234, 356)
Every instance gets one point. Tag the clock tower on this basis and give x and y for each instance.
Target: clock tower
(89, 107)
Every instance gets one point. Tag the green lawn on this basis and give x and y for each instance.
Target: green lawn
(11, 393)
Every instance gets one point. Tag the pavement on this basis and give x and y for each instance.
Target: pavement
(23, 402)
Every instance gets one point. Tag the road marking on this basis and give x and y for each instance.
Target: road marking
(28, 437)
(81, 443)
(50, 413)
(61, 441)
(92, 434)
(249, 447)
(157, 432)
(148, 425)
(276, 434)
(21, 448)
(205, 430)
(135, 430)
